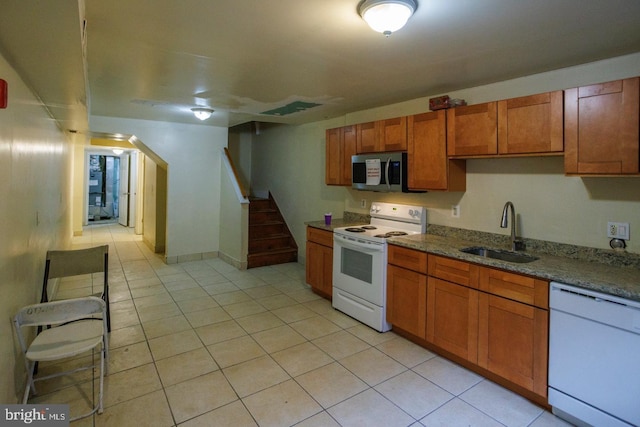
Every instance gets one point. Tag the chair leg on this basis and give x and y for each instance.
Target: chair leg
(30, 385)
(102, 368)
(108, 317)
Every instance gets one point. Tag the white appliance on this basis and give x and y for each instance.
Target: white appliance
(360, 261)
(594, 357)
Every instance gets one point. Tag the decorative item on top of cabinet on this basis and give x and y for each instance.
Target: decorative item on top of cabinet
(428, 165)
(319, 263)
(531, 124)
(382, 135)
(340, 145)
(601, 128)
(472, 130)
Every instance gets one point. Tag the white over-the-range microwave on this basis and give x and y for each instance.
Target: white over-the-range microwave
(380, 172)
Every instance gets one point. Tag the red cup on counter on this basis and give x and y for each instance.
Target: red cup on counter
(327, 218)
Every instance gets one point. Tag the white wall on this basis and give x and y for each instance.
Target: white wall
(35, 211)
(192, 153)
(289, 161)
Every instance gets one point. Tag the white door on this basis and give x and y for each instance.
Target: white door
(123, 213)
(133, 186)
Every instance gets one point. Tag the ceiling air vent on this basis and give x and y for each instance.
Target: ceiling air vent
(294, 107)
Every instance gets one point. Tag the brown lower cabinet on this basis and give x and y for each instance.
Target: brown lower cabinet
(491, 321)
(407, 300)
(452, 318)
(513, 341)
(319, 263)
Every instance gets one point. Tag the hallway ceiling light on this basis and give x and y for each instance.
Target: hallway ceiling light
(117, 151)
(202, 113)
(386, 16)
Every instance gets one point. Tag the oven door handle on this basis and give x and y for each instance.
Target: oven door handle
(358, 246)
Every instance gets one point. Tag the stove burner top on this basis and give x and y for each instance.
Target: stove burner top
(355, 229)
(391, 234)
(396, 233)
(369, 227)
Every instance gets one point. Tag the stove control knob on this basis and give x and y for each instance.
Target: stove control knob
(375, 208)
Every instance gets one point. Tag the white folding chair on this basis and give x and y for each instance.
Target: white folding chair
(78, 325)
(76, 262)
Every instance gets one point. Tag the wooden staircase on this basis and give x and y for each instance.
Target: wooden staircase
(270, 241)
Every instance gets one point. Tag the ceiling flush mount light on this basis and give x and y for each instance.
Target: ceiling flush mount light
(117, 151)
(386, 16)
(202, 113)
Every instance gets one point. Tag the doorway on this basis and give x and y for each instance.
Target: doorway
(104, 188)
(112, 183)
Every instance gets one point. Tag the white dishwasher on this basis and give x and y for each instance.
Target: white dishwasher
(594, 357)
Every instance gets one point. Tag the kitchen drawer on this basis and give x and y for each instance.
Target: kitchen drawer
(516, 287)
(410, 259)
(460, 272)
(321, 237)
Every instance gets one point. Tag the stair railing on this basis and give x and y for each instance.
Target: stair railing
(243, 193)
(234, 217)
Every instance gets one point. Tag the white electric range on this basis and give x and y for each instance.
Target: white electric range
(360, 261)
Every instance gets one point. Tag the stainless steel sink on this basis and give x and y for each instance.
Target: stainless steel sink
(501, 255)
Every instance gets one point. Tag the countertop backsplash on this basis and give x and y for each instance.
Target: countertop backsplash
(582, 253)
(355, 217)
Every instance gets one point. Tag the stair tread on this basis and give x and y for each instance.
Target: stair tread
(276, 251)
(270, 241)
(270, 236)
(293, 252)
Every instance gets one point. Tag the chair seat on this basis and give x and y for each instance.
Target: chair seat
(66, 340)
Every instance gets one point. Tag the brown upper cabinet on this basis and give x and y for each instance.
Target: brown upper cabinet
(472, 130)
(531, 124)
(601, 128)
(340, 145)
(428, 165)
(382, 135)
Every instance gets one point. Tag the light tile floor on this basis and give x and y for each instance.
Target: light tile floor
(204, 344)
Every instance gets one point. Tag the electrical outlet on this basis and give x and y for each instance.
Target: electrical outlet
(618, 230)
(363, 203)
(455, 211)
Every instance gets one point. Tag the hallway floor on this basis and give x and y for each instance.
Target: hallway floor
(204, 344)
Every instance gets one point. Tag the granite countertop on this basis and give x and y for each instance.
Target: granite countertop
(351, 219)
(612, 277)
(615, 280)
(335, 223)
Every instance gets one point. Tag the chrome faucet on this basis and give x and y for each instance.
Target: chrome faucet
(516, 243)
